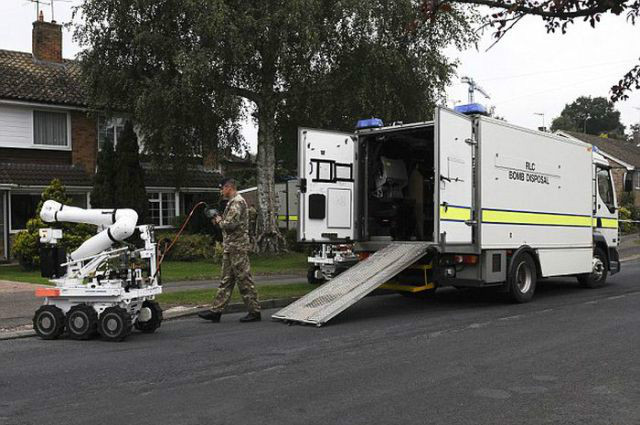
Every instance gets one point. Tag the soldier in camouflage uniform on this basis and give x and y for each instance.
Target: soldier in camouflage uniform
(234, 223)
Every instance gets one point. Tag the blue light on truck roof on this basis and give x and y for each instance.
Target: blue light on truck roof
(369, 123)
(470, 109)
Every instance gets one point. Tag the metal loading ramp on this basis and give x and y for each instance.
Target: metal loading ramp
(323, 304)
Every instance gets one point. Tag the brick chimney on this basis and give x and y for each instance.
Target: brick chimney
(46, 39)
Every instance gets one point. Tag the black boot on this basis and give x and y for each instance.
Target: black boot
(252, 317)
(210, 315)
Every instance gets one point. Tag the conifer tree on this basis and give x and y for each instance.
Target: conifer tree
(129, 175)
(104, 191)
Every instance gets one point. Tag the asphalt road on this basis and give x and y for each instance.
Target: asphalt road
(570, 357)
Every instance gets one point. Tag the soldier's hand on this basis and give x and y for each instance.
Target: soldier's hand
(217, 219)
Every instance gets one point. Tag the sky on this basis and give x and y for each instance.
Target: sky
(528, 73)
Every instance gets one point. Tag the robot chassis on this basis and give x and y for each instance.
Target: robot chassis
(99, 289)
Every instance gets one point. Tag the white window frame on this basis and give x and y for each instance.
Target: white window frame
(51, 147)
(9, 207)
(176, 206)
(115, 133)
(637, 180)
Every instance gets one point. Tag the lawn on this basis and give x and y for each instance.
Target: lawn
(291, 263)
(16, 274)
(205, 296)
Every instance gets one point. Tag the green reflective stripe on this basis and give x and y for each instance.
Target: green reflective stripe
(451, 213)
(606, 223)
(291, 218)
(534, 218)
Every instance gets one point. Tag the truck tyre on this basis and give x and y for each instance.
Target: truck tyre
(522, 279)
(311, 277)
(598, 276)
(82, 322)
(48, 322)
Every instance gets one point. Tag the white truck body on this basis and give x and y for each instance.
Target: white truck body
(469, 185)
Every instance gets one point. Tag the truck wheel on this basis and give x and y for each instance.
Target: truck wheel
(522, 280)
(150, 326)
(82, 322)
(48, 322)
(598, 276)
(311, 277)
(114, 324)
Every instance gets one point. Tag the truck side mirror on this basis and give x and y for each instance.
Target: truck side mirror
(628, 181)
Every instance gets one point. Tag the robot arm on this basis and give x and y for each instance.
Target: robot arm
(121, 224)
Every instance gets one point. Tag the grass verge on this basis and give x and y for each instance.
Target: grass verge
(172, 271)
(16, 274)
(205, 296)
(290, 263)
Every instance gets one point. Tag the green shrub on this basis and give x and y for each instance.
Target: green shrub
(26, 246)
(625, 214)
(191, 247)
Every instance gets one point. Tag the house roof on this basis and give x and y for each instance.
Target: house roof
(29, 174)
(619, 149)
(27, 79)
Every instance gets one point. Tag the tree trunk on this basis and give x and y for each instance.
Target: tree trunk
(269, 239)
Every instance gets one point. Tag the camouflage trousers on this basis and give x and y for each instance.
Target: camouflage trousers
(236, 271)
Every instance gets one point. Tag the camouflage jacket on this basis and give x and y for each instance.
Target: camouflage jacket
(235, 225)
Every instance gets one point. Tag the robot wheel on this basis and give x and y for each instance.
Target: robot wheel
(82, 322)
(48, 322)
(154, 320)
(114, 323)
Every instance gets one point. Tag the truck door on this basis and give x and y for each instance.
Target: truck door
(326, 168)
(454, 165)
(606, 214)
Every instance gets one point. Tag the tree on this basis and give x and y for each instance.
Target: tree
(556, 15)
(27, 242)
(178, 64)
(590, 115)
(103, 194)
(635, 134)
(128, 174)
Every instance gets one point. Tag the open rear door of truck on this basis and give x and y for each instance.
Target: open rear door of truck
(327, 162)
(454, 159)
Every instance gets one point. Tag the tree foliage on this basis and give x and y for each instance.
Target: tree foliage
(189, 70)
(129, 175)
(104, 189)
(590, 115)
(26, 247)
(557, 15)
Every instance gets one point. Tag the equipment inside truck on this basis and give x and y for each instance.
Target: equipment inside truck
(399, 184)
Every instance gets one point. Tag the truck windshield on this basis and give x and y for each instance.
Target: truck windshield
(605, 188)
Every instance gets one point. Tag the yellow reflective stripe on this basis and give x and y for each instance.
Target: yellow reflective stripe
(455, 213)
(521, 217)
(291, 217)
(606, 223)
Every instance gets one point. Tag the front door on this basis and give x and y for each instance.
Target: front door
(327, 185)
(455, 168)
(606, 215)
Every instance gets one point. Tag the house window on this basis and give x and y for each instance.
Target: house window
(23, 209)
(109, 129)
(638, 180)
(162, 208)
(50, 129)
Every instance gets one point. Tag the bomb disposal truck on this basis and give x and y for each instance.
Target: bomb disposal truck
(463, 200)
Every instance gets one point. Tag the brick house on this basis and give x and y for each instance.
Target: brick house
(623, 156)
(46, 132)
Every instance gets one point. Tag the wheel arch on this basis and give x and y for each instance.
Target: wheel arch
(525, 249)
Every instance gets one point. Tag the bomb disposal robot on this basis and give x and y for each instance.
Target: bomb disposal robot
(98, 289)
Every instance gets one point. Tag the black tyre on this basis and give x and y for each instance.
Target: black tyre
(48, 322)
(82, 322)
(598, 276)
(114, 324)
(522, 279)
(311, 277)
(154, 322)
